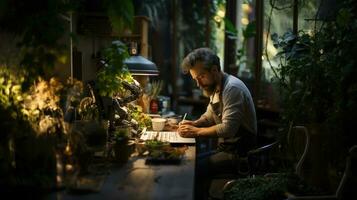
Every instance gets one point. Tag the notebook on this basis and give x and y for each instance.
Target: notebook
(168, 136)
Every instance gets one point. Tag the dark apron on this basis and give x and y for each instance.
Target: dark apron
(243, 141)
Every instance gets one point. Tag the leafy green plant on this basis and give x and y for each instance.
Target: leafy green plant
(42, 106)
(155, 144)
(40, 48)
(163, 152)
(269, 188)
(139, 116)
(120, 13)
(316, 70)
(11, 94)
(248, 32)
(316, 75)
(30, 152)
(12, 121)
(194, 15)
(114, 71)
(122, 133)
(302, 78)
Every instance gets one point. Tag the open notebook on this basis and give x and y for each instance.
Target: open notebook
(168, 136)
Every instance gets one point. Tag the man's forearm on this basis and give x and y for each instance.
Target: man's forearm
(207, 132)
(201, 122)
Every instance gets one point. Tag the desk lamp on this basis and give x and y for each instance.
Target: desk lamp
(139, 65)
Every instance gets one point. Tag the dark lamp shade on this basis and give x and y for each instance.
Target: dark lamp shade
(139, 65)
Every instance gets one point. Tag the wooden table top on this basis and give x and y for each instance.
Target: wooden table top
(140, 181)
(137, 180)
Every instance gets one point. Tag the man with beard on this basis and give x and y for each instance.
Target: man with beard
(230, 117)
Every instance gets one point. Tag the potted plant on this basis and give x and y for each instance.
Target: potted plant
(316, 80)
(36, 130)
(123, 147)
(274, 187)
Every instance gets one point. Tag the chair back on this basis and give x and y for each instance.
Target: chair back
(348, 183)
(299, 144)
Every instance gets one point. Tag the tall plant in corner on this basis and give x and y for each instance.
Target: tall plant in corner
(317, 77)
(316, 70)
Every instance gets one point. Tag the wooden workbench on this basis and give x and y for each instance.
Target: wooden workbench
(136, 180)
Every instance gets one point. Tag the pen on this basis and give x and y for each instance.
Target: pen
(184, 117)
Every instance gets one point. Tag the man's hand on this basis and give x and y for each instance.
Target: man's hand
(187, 130)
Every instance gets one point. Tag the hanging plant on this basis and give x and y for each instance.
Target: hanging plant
(120, 14)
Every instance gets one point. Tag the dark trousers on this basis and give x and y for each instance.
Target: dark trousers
(208, 166)
(212, 164)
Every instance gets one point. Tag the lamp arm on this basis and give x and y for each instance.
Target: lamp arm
(135, 90)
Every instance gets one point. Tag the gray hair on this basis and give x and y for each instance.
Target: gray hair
(204, 55)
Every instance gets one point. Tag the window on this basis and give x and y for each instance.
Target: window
(278, 19)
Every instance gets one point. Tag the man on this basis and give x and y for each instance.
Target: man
(230, 117)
